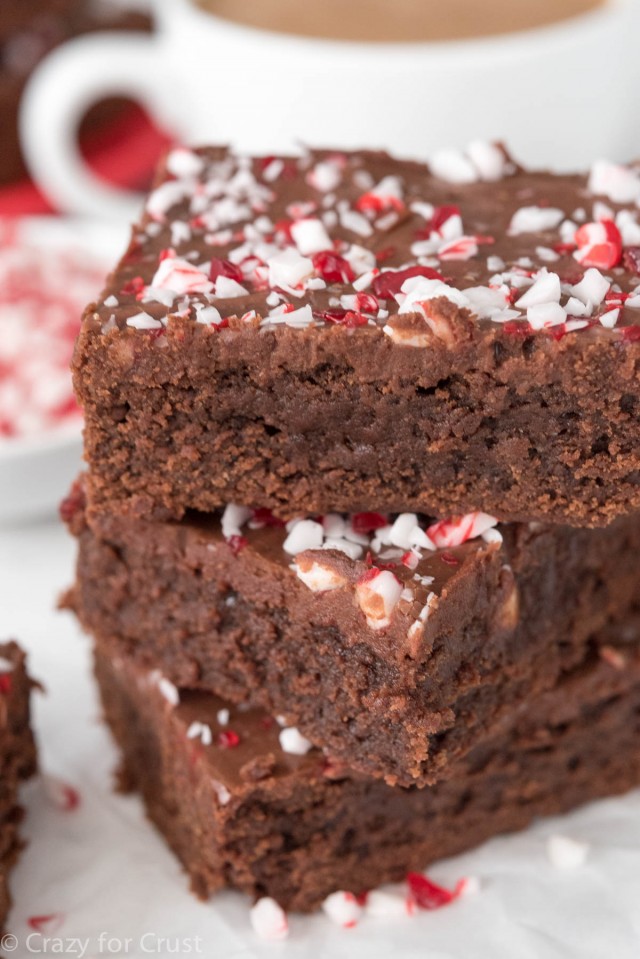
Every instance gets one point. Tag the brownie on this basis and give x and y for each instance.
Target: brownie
(17, 759)
(243, 806)
(394, 644)
(28, 32)
(344, 330)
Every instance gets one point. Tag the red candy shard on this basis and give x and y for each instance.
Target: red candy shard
(266, 518)
(426, 894)
(225, 268)
(5, 683)
(134, 287)
(332, 267)
(237, 543)
(631, 334)
(387, 284)
(227, 739)
(365, 523)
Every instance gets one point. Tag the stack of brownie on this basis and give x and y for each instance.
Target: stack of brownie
(358, 539)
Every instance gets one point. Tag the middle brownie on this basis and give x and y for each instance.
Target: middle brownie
(393, 643)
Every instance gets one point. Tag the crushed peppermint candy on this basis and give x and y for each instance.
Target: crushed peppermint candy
(167, 689)
(347, 242)
(343, 908)
(293, 742)
(42, 296)
(201, 731)
(269, 920)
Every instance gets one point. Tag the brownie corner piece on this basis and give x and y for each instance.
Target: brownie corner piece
(17, 759)
(367, 331)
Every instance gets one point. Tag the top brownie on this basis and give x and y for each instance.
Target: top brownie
(347, 331)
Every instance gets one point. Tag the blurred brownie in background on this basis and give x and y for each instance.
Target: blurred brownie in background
(17, 759)
(28, 32)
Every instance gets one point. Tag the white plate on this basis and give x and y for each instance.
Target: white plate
(36, 470)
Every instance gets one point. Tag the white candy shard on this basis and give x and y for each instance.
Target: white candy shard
(184, 163)
(269, 920)
(143, 321)
(288, 268)
(453, 166)
(535, 219)
(292, 741)
(310, 236)
(169, 691)
(619, 183)
(303, 534)
(233, 519)
(200, 731)
(592, 288)
(544, 315)
(545, 288)
(389, 902)
(566, 853)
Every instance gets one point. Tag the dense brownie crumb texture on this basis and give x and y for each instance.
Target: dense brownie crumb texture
(458, 337)
(17, 759)
(394, 643)
(245, 804)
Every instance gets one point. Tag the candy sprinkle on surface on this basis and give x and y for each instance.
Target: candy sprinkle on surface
(331, 239)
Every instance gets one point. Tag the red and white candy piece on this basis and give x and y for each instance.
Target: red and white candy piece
(448, 533)
(342, 908)
(269, 920)
(180, 277)
(61, 794)
(599, 245)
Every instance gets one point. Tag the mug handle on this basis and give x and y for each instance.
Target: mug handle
(63, 87)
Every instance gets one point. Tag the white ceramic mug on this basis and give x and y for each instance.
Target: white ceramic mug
(560, 96)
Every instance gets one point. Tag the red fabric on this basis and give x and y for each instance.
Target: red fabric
(124, 152)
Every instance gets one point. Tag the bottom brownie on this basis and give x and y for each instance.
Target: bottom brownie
(17, 759)
(246, 804)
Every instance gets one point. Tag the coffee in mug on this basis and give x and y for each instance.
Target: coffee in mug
(398, 21)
